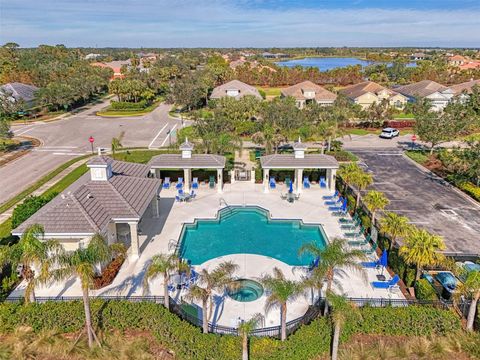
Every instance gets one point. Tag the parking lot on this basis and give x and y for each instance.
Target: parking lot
(428, 201)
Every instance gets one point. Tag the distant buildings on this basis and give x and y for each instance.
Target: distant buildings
(366, 93)
(20, 92)
(457, 60)
(92, 56)
(269, 55)
(463, 63)
(235, 89)
(438, 94)
(306, 92)
(116, 66)
(418, 56)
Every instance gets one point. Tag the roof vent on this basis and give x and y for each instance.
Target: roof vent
(89, 196)
(63, 196)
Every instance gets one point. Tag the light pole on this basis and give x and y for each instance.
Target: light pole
(91, 140)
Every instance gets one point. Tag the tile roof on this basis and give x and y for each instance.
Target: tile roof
(88, 206)
(288, 161)
(422, 88)
(244, 90)
(466, 86)
(297, 91)
(354, 91)
(197, 161)
(20, 91)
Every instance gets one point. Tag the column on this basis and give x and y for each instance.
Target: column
(232, 176)
(134, 243)
(219, 181)
(187, 176)
(299, 180)
(112, 233)
(266, 180)
(252, 176)
(157, 173)
(331, 173)
(156, 205)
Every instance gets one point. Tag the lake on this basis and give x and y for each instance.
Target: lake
(327, 63)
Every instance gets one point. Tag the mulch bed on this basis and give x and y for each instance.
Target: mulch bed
(109, 273)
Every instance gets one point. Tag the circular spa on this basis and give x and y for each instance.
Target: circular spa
(244, 290)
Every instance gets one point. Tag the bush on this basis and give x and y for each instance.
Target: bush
(342, 155)
(124, 105)
(29, 207)
(471, 189)
(424, 290)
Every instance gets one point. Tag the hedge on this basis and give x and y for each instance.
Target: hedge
(424, 290)
(29, 207)
(123, 105)
(471, 189)
(187, 341)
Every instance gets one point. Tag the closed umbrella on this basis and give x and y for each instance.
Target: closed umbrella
(291, 187)
(384, 260)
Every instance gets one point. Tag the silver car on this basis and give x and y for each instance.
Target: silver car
(389, 133)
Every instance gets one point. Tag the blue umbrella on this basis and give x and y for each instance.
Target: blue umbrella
(291, 187)
(384, 260)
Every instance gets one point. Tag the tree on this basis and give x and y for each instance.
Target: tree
(471, 289)
(270, 137)
(348, 173)
(332, 257)
(116, 144)
(375, 200)
(207, 283)
(421, 249)
(341, 309)
(245, 329)
(394, 226)
(82, 264)
(361, 180)
(163, 265)
(377, 113)
(281, 291)
(32, 253)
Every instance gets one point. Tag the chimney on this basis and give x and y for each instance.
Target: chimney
(299, 149)
(100, 168)
(186, 149)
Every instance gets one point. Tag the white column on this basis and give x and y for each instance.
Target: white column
(112, 233)
(219, 181)
(331, 173)
(232, 176)
(298, 180)
(157, 173)
(266, 181)
(134, 245)
(252, 176)
(156, 205)
(187, 176)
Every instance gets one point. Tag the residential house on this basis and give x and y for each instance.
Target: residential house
(235, 89)
(92, 56)
(438, 94)
(457, 60)
(18, 91)
(418, 56)
(367, 93)
(462, 91)
(306, 92)
(116, 66)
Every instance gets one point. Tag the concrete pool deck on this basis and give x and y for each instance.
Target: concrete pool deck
(159, 235)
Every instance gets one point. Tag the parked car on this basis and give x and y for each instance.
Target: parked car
(389, 133)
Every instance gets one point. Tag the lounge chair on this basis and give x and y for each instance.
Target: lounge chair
(346, 220)
(272, 183)
(371, 250)
(352, 226)
(341, 212)
(193, 195)
(195, 183)
(211, 182)
(386, 284)
(334, 202)
(179, 183)
(306, 183)
(330, 197)
(283, 196)
(166, 183)
(363, 242)
(355, 234)
(180, 192)
(177, 198)
(370, 264)
(323, 183)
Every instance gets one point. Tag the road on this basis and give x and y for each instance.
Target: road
(428, 201)
(67, 138)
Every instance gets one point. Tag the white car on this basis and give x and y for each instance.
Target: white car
(389, 133)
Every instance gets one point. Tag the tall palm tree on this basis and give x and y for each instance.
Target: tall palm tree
(207, 283)
(164, 265)
(245, 329)
(471, 289)
(375, 200)
(270, 137)
(333, 256)
(347, 173)
(394, 226)
(361, 180)
(281, 292)
(341, 308)
(31, 253)
(421, 248)
(82, 264)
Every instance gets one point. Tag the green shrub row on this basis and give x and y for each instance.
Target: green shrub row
(124, 105)
(29, 207)
(424, 290)
(470, 189)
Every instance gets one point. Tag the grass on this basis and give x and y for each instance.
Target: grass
(139, 156)
(418, 156)
(270, 91)
(404, 116)
(121, 113)
(362, 132)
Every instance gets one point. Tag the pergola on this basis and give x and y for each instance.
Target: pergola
(188, 161)
(299, 161)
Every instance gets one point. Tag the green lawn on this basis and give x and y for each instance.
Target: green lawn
(418, 156)
(139, 156)
(361, 132)
(270, 91)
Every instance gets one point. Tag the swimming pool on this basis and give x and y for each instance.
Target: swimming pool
(248, 230)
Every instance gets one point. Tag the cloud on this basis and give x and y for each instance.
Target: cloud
(222, 23)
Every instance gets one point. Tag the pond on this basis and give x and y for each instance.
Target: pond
(328, 63)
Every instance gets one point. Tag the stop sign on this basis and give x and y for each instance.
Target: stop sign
(91, 139)
(414, 138)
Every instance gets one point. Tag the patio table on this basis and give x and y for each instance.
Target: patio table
(184, 197)
(290, 197)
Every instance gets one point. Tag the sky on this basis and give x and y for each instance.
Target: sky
(241, 23)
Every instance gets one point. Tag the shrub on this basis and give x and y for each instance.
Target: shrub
(29, 207)
(424, 290)
(471, 189)
(342, 155)
(124, 105)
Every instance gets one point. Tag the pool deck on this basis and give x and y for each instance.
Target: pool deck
(159, 235)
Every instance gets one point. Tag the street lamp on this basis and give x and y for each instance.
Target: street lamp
(91, 140)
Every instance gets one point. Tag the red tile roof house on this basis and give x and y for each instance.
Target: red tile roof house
(306, 92)
(116, 66)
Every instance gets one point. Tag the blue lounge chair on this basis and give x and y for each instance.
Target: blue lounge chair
(166, 183)
(330, 197)
(370, 264)
(177, 198)
(272, 183)
(323, 182)
(386, 284)
(195, 183)
(306, 183)
(180, 192)
(314, 263)
(337, 202)
(192, 194)
(179, 183)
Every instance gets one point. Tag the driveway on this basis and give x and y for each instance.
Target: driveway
(65, 139)
(428, 201)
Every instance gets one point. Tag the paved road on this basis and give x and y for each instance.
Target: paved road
(426, 200)
(68, 138)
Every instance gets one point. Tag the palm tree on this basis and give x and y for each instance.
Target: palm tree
(245, 328)
(347, 173)
(333, 256)
(116, 144)
(361, 180)
(341, 308)
(162, 264)
(31, 253)
(471, 289)
(281, 292)
(207, 283)
(394, 226)
(375, 200)
(421, 248)
(270, 137)
(82, 263)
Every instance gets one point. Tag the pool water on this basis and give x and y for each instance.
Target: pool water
(244, 290)
(248, 230)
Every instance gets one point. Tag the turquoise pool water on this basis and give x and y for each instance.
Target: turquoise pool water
(245, 290)
(248, 230)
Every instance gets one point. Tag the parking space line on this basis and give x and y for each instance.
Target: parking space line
(156, 136)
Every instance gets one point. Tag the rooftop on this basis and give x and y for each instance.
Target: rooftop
(19, 91)
(196, 161)
(289, 161)
(466, 86)
(354, 91)
(244, 90)
(298, 91)
(422, 88)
